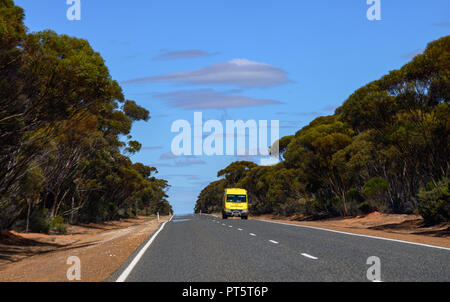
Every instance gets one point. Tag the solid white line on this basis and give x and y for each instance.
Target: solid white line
(273, 241)
(309, 256)
(138, 257)
(359, 235)
(251, 234)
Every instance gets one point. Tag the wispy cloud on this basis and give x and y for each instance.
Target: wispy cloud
(330, 108)
(118, 42)
(210, 99)
(183, 54)
(290, 124)
(188, 162)
(185, 176)
(412, 54)
(161, 165)
(309, 113)
(442, 24)
(179, 163)
(170, 155)
(325, 110)
(238, 72)
(151, 148)
(167, 156)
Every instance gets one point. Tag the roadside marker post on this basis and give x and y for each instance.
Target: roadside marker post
(158, 215)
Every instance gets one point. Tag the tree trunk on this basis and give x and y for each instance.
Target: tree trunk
(28, 215)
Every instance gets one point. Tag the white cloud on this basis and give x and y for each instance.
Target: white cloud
(210, 99)
(237, 72)
(183, 54)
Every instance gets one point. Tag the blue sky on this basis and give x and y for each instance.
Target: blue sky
(252, 60)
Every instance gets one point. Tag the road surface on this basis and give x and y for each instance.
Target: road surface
(203, 248)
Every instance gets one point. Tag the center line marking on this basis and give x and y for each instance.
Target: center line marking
(309, 256)
(273, 241)
(251, 234)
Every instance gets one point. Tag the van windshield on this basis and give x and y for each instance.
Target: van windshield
(236, 198)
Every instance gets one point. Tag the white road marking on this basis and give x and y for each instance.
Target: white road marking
(138, 257)
(273, 241)
(223, 224)
(240, 230)
(230, 226)
(251, 234)
(309, 256)
(359, 235)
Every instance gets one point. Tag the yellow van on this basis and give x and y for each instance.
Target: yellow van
(235, 203)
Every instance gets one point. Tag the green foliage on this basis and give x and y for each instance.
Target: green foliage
(61, 125)
(353, 194)
(40, 221)
(365, 207)
(434, 203)
(385, 142)
(135, 112)
(375, 186)
(57, 225)
(210, 198)
(236, 171)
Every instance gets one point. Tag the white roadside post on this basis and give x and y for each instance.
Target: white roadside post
(158, 216)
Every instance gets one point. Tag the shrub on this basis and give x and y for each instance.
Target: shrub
(353, 194)
(375, 186)
(365, 207)
(57, 225)
(290, 207)
(375, 190)
(40, 221)
(434, 202)
(113, 211)
(60, 228)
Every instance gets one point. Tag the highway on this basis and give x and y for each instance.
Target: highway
(203, 248)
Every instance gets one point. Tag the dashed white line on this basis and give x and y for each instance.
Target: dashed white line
(230, 226)
(353, 234)
(240, 229)
(251, 234)
(273, 241)
(309, 256)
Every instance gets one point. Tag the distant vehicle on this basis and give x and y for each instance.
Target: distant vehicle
(235, 203)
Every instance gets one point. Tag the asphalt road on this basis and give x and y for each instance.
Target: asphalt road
(203, 248)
